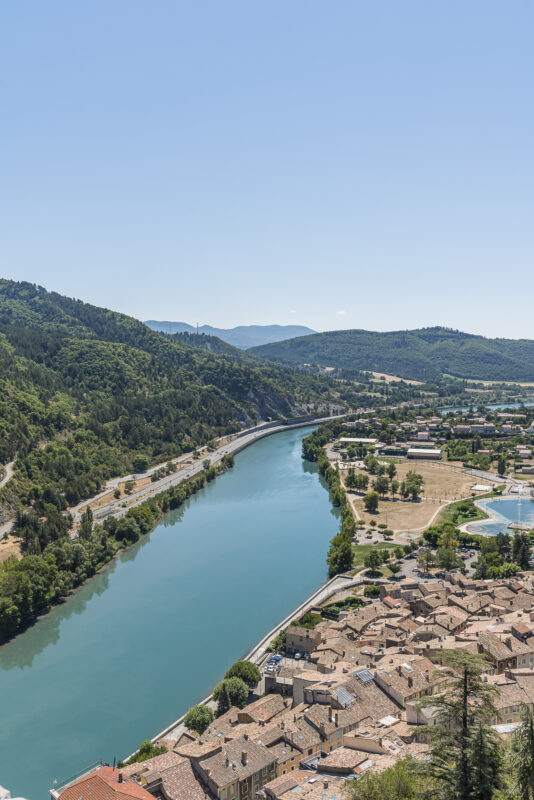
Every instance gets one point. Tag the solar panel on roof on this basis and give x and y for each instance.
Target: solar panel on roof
(344, 697)
(364, 675)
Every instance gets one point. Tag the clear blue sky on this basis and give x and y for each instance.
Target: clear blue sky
(335, 164)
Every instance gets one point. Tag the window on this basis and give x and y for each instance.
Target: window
(339, 734)
(264, 771)
(223, 794)
(331, 737)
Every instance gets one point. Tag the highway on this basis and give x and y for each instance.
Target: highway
(117, 509)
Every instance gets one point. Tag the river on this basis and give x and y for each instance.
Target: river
(141, 642)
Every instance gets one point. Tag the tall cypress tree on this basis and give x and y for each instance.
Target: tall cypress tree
(463, 703)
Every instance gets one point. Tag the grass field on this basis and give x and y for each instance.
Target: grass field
(361, 551)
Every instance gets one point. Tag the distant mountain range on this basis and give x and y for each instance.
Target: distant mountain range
(425, 354)
(243, 336)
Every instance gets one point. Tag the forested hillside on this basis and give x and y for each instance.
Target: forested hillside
(425, 354)
(86, 392)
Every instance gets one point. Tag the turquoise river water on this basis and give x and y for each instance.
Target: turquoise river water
(151, 635)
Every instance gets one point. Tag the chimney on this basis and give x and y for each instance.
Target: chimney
(120, 777)
(226, 762)
(330, 713)
(244, 757)
(322, 728)
(399, 670)
(282, 725)
(325, 783)
(336, 718)
(427, 675)
(245, 737)
(410, 683)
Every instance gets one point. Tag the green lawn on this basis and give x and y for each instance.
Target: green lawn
(361, 551)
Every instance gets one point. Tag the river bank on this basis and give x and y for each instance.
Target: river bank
(138, 644)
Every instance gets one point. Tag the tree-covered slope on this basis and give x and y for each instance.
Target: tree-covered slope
(85, 391)
(425, 354)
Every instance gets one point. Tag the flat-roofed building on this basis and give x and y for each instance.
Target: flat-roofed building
(428, 454)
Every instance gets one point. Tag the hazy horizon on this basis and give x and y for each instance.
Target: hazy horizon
(349, 166)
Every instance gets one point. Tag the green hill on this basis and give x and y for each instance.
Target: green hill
(86, 392)
(425, 354)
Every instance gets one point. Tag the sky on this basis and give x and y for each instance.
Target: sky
(333, 164)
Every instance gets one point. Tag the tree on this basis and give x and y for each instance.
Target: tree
(454, 735)
(413, 483)
(425, 559)
(140, 463)
(373, 560)
(398, 551)
(395, 485)
(381, 485)
(522, 755)
(230, 692)
(521, 550)
(247, 671)
(86, 524)
(485, 758)
(391, 470)
(405, 780)
(339, 558)
(198, 718)
(501, 465)
(362, 482)
(370, 502)
(371, 464)
(447, 559)
(448, 537)
(394, 568)
(350, 480)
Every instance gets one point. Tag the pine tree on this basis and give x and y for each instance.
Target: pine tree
(485, 758)
(452, 751)
(522, 760)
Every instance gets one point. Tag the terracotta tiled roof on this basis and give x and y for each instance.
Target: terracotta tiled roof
(103, 784)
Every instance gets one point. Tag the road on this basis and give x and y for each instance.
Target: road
(116, 508)
(258, 653)
(8, 473)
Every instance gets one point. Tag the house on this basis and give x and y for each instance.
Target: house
(108, 783)
(301, 640)
(237, 771)
(169, 775)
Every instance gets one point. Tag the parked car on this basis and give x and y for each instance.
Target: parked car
(276, 658)
(298, 655)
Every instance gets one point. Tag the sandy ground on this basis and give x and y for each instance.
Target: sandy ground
(443, 484)
(10, 547)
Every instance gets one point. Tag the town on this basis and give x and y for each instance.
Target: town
(341, 692)
(344, 696)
